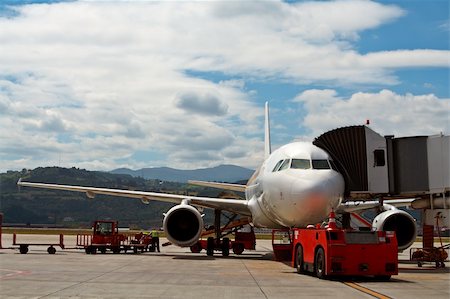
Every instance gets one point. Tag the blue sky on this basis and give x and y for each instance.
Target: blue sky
(108, 84)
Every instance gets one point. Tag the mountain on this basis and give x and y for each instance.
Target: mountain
(74, 209)
(222, 173)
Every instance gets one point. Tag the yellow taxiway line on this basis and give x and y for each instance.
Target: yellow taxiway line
(366, 290)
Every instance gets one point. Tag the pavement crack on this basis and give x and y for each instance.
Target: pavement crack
(254, 279)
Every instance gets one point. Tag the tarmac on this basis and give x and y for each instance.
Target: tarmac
(177, 273)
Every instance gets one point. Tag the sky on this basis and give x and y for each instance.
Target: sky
(107, 84)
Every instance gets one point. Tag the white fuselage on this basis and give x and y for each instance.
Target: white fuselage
(294, 187)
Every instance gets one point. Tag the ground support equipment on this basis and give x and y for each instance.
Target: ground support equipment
(332, 251)
(23, 246)
(106, 237)
(221, 242)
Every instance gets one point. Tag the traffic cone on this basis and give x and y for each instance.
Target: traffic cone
(332, 221)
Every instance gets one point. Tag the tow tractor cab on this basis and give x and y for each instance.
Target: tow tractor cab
(332, 251)
(106, 232)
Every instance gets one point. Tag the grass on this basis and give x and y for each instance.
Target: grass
(74, 232)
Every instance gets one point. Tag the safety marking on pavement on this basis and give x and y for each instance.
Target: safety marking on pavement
(366, 290)
(11, 273)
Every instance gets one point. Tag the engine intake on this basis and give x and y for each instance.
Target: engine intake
(183, 225)
(399, 221)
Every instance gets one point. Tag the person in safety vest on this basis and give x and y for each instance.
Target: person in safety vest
(155, 239)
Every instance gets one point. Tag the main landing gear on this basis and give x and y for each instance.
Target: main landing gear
(220, 241)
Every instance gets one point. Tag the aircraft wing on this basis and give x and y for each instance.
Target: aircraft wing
(224, 186)
(232, 205)
(355, 206)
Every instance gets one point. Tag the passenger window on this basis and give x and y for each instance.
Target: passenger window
(300, 164)
(285, 164)
(378, 158)
(320, 164)
(277, 166)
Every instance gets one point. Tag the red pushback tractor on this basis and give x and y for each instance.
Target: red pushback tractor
(332, 251)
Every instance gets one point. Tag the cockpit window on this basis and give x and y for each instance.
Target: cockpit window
(320, 164)
(300, 164)
(277, 166)
(285, 164)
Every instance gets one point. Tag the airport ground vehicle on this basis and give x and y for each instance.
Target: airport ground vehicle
(332, 251)
(243, 240)
(23, 246)
(106, 236)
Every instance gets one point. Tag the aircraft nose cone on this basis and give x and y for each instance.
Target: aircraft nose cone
(310, 201)
(304, 187)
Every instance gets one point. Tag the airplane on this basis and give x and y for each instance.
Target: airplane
(295, 186)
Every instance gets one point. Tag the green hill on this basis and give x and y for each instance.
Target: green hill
(73, 209)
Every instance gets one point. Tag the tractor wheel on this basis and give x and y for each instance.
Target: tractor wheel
(196, 248)
(299, 258)
(238, 248)
(319, 264)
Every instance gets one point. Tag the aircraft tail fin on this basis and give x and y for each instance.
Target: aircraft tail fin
(267, 146)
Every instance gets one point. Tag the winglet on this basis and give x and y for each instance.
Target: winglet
(267, 147)
(19, 183)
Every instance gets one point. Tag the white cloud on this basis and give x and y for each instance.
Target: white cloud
(388, 112)
(94, 82)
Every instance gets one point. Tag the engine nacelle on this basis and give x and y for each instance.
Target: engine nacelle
(183, 225)
(399, 221)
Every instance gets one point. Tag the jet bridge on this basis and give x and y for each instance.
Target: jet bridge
(375, 165)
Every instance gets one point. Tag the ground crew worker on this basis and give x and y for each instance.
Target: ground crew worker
(155, 239)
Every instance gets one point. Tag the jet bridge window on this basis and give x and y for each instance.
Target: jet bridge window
(378, 158)
(320, 164)
(300, 164)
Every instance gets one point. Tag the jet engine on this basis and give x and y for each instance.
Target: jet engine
(404, 225)
(183, 225)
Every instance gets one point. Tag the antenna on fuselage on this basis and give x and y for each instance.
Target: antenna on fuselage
(267, 147)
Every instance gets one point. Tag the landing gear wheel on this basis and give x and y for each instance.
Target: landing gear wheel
(51, 250)
(238, 248)
(210, 246)
(299, 258)
(319, 264)
(23, 249)
(225, 247)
